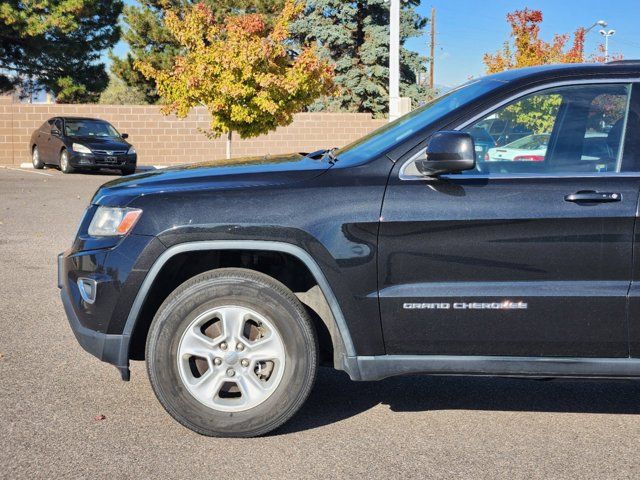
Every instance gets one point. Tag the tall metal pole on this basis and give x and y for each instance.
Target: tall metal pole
(394, 61)
(432, 61)
(606, 34)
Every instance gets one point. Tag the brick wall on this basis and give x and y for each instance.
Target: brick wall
(167, 140)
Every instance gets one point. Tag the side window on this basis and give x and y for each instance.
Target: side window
(57, 124)
(561, 130)
(497, 127)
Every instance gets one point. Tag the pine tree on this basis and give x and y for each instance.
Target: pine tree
(150, 41)
(57, 44)
(119, 93)
(354, 35)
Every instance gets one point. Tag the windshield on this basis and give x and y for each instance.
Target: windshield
(89, 128)
(388, 136)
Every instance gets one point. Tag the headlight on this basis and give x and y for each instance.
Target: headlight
(78, 147)
(111, 221)
(132, 151)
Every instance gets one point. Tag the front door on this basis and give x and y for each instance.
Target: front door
(50, 144)
(530, 254)
(55, 141)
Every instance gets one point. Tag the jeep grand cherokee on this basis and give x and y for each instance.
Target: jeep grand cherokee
(401, 253)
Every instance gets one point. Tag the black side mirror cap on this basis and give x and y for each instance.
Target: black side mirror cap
(125, 136)
(448, 152)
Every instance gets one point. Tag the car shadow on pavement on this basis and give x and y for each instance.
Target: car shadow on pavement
(335, 397)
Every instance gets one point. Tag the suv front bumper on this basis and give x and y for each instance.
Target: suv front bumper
(110, 348)
(117, 272)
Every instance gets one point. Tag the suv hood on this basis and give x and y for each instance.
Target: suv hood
(224, 174)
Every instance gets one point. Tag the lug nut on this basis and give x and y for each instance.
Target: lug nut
(217, 361)
(240, 347)
(223, 345)
(244, 362)
(231, 372)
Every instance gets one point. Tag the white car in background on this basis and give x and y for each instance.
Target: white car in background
(531, 148)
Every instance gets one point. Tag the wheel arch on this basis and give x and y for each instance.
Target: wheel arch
(320, 299)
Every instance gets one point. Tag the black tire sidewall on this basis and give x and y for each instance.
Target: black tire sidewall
(220, 290)
(40, 163)
(69, 168)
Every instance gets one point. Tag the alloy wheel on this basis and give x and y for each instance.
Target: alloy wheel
(231, 358)
(64, 161)
(35, 159)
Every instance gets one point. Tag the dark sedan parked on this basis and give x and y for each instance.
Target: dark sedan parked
(81, 143)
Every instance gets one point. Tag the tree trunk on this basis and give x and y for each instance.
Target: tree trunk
(229, 136)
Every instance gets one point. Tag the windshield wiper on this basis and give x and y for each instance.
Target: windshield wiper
(322, 154)
(330, 155)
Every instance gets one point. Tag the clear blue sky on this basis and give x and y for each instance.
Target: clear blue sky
(467, 29)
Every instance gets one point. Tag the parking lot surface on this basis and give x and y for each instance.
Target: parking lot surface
(64, 414)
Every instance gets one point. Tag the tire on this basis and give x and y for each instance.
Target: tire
(128, 170)
(211, 404)
(65, 165)
(36, 160)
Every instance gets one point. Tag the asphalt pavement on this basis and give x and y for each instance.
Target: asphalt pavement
(64, 414)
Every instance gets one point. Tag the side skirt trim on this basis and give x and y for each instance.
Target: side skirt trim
(383, 366)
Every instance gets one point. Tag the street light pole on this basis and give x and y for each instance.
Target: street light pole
(606, 34)
(394, 61)
(599, 23)
(432, 48)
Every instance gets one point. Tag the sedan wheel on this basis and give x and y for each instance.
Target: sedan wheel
(65, 165)
(35, 159)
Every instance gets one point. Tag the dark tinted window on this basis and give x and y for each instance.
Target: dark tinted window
(497, 127)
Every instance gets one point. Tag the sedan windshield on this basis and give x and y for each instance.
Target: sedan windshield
(388, 136)
(89, 128)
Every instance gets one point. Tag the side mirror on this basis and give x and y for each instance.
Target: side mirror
(125, 136)
(448, 152)
(55, 132)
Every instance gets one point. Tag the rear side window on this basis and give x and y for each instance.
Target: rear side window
(561, 130)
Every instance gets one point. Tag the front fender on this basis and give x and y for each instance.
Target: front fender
(344, 340)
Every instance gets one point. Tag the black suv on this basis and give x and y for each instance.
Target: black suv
(400, 253)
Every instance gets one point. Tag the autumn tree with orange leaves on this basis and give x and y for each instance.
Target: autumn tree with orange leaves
(528, 49)
(241, 70)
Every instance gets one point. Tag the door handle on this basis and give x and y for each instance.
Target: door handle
(590, 196)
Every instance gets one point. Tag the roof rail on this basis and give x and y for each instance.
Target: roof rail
(631, 61)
